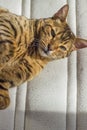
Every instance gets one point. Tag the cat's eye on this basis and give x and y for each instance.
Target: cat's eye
(63, 48)
(53, 33)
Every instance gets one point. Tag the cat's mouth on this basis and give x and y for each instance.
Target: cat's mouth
(45, 52)
(44, 49)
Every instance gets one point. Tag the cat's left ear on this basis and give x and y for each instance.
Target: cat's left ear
(62, 13)
(80, 43)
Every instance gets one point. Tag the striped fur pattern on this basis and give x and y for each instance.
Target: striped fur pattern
(27, 45)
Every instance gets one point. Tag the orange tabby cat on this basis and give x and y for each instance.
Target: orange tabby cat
(26, 46)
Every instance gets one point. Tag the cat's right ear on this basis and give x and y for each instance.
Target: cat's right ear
(62, 13)
(80, 43)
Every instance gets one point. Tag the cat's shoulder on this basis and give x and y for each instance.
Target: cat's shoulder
(3, 10)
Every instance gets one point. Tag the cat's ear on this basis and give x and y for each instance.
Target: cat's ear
(80, 43)
(62, 13)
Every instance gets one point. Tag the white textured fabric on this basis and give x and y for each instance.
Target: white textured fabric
(81, 67)
(57, 98)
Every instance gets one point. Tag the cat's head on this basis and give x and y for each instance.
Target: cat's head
(56, 40)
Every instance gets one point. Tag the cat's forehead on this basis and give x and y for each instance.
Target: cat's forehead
(54, 23)
(57, 25)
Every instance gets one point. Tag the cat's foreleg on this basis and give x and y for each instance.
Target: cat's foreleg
(7, 52)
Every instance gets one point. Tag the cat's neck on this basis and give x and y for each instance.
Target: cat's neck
(34, 27)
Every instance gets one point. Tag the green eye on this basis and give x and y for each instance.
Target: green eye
(63, 48)
(53, 33)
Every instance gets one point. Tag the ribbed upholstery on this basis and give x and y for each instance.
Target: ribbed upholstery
(57, 98)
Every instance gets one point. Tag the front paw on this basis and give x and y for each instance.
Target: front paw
(4, 102)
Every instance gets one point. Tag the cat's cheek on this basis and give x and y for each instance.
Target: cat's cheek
(59, 54)
(68, 53)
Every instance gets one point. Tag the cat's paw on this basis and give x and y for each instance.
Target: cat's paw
(4, 102)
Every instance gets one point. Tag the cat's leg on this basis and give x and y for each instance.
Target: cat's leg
(4, 90)
(7, 52)
(4, 98)
(16, 74)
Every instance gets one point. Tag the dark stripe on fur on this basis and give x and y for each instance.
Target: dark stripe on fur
(27, 66)
(6, 41)
(19, 25)
(6, 31)
(18, 75)
(3, 25)
(39, 64)
(12, 26)
(1, 87)
(4, 34)
(10, 82)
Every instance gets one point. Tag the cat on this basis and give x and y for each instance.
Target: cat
(27, 45)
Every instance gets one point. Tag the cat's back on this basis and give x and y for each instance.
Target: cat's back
(14, 29)
(13, 36)
(11, 23)
(5, 13)
(3, 10)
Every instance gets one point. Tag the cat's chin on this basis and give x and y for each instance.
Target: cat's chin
(48, 56)
(43, 54)
(51, 57)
